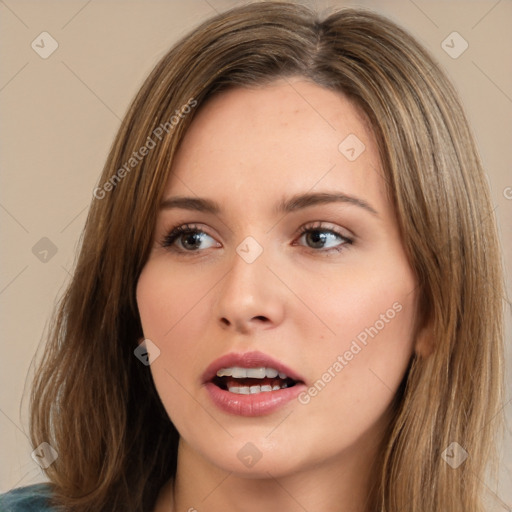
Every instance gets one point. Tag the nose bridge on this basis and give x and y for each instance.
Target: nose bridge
(248, 294)
(246, 277)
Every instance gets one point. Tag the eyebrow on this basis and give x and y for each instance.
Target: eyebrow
(300, 201)
(294, 203)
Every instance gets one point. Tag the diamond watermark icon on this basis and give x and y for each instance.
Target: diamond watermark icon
(351, 147)
(44, 250)
(249, 250)
(147, 352)
(454, 45)
(454, 455)
(44, 455)
(44, 45)
(249, 455)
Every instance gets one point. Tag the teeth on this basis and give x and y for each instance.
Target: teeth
(253, 390)
(255, 373)
(239, 373)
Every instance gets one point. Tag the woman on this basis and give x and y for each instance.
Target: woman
(288, 293)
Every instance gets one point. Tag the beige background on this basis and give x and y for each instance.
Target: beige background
(59, 116)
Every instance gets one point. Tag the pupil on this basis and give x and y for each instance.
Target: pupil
(317, 238)
(194, 240)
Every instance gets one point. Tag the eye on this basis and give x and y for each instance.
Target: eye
(188, 238)
(323, 238)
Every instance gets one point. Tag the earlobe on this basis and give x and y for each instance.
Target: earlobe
(424, 345)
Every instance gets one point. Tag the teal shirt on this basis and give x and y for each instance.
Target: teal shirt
(33, 498)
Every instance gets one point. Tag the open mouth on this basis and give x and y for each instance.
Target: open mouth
(249, 381)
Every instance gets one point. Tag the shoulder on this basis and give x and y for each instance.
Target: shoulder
(33, 498)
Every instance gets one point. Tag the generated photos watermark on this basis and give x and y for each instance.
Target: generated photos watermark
(147, 352)
(344, 359)
(44, 455)
(139, 155)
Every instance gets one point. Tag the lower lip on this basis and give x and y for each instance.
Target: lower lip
(257, 404)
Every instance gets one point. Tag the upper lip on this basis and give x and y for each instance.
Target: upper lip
(248, 360)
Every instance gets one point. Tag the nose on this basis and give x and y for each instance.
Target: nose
(250, 297)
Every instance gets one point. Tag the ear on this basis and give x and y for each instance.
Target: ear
(424, 344)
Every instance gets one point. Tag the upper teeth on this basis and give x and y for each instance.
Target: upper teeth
(255, 373)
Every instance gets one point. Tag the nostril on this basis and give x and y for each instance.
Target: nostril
(243, 325)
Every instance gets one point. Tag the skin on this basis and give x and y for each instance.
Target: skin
(247, 149)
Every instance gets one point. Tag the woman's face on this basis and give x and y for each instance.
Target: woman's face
(289, 259)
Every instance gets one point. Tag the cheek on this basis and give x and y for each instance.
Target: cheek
(172, 311)
(361, 365)
(170, 300)
(374, 312)
(172, 316)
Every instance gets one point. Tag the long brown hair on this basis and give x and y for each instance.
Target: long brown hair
(96, 404)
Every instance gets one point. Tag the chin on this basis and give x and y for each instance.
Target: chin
(257, 457)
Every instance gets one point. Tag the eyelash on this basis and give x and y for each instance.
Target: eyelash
(186, 229)
(174, 233)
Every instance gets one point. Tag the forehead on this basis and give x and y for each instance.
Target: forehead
(251, 144)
